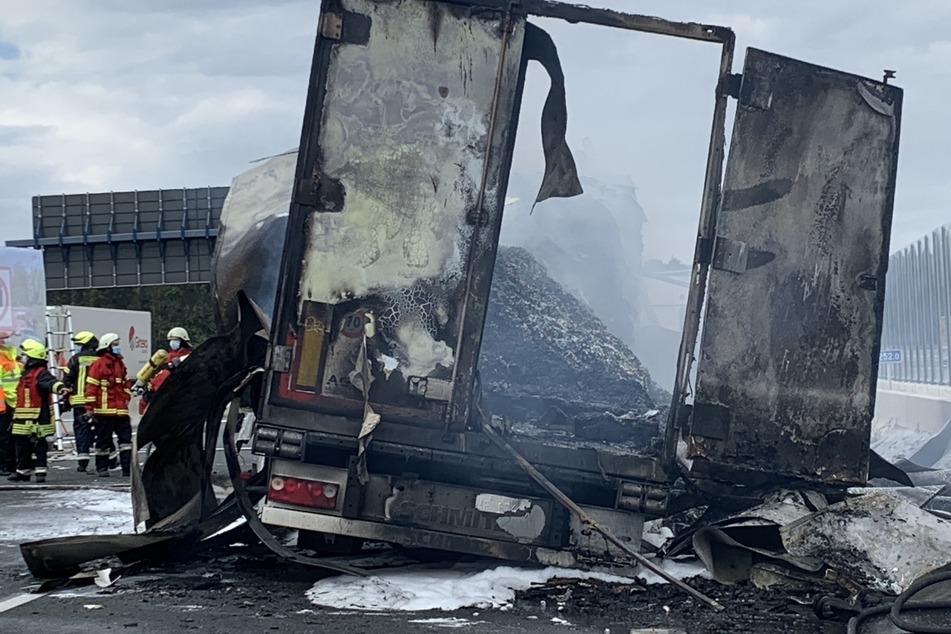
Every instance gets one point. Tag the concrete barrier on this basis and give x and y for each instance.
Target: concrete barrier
(917, 406)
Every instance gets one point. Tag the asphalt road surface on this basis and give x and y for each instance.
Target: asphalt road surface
(239, 586)
(234, 589)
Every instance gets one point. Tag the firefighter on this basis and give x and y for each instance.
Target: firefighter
(179, 347)
(32, 422)
(74, 378)
(107, 396)
(10, 371)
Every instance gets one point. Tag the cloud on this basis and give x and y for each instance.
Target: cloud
(131, 96)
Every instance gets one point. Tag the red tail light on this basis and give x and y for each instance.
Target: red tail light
(321, 495)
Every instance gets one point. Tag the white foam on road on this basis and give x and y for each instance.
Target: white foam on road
(48, 514)
(420, 588)
(449, 622)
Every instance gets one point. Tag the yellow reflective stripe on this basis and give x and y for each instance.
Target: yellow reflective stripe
(92, 381)
(28, 428)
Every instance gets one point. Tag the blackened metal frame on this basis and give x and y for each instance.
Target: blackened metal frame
(712, 178)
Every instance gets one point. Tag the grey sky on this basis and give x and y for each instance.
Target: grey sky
(115, 95)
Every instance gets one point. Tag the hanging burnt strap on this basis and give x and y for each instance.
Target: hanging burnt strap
(362, 378)
(586, 519)
(561, 174)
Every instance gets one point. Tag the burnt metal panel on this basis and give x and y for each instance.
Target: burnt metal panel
(789, 351)
(396, 207)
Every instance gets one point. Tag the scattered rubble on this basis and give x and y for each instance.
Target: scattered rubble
(876, 540)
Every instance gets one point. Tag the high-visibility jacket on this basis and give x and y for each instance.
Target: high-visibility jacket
(175, 357)
(32, 413)
(108, 387)
(10, 372)
(74, 374)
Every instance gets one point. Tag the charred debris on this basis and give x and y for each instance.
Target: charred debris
(394, 356)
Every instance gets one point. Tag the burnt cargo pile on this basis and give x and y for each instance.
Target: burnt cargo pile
(547, 358)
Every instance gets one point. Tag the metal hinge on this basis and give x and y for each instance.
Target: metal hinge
(346, 27)
(320, 192)
(868, 282)
(730, 85)
(755, 91)
(738, 257)
(729, 255)
(710, 420)
(281, 358)
(331, 26)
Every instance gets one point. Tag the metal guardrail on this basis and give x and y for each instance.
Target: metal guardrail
(915, 342)
(136, 238)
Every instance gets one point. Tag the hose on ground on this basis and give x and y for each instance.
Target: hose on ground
(896, 609)
(902, 601)
(244, 501)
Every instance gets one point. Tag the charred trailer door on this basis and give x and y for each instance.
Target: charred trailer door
(390, 242)
(789, 352)
(396, 210)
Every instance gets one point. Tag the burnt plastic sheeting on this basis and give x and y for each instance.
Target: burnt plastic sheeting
(878, 467)
(561, 174)
(935, 449)
(731, 547)
(175, 424)
(62, 556)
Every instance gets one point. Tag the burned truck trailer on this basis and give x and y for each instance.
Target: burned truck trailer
(386, 224)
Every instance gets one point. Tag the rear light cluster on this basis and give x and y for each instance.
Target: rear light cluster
(321, 495)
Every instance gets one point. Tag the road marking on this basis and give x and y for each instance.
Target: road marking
(18, 600)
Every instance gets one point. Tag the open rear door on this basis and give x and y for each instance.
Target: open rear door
(789, 351)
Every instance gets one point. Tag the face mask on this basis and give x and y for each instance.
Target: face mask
(174, 344)
(116, 350)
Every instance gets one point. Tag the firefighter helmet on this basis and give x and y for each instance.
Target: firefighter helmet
(106, 341)
(33, 349)
(178, 333)
(84, 337)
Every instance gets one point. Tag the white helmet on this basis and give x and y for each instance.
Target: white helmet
(106, 341)
(178, 333)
